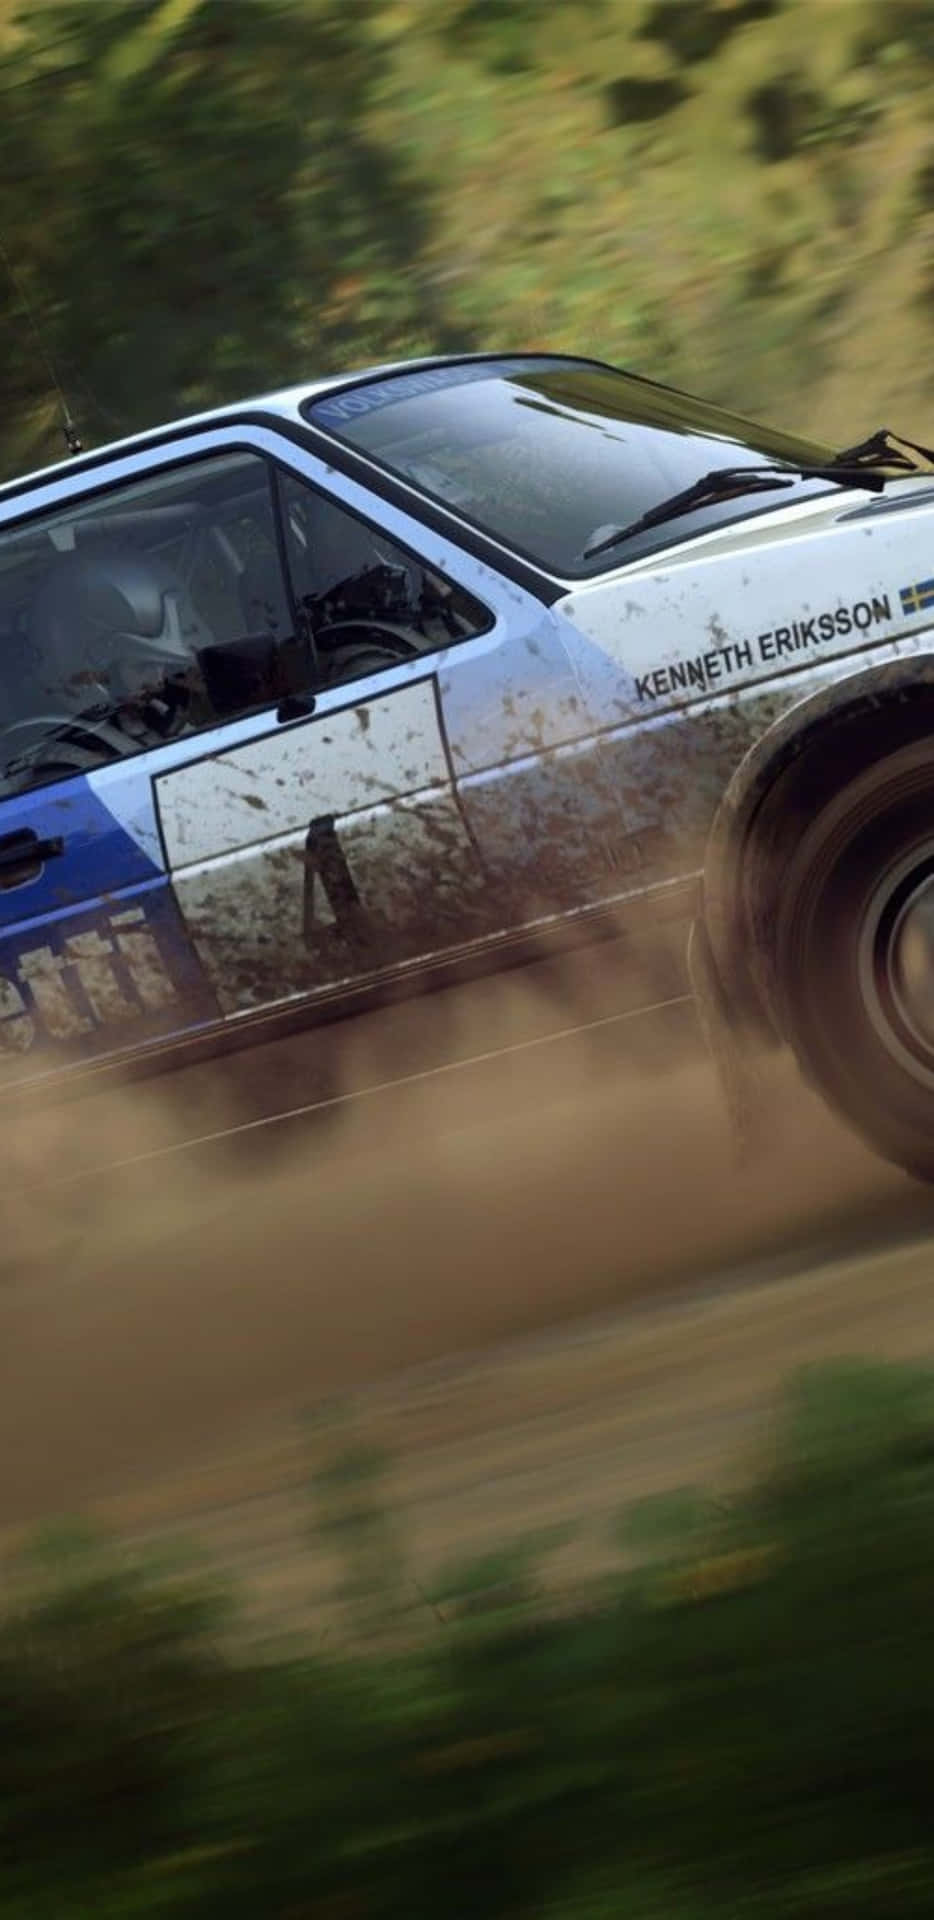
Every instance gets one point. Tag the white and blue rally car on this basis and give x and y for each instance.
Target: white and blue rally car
(350, 684)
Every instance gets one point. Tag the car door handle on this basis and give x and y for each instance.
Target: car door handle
(26, 850)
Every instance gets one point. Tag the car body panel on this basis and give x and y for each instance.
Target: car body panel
(564, 762)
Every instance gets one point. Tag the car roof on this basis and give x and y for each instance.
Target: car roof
(284, 403)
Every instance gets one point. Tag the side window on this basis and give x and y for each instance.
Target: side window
(156, 608)
(363, 601)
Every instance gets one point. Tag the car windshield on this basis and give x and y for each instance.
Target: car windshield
(546, 453)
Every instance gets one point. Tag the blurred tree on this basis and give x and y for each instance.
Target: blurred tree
(502, 33)
(192, 207)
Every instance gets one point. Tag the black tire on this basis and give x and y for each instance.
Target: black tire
(853, 958)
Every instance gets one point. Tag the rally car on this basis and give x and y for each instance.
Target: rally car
(348, 685)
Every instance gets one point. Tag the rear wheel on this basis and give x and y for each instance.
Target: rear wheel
(853, 954)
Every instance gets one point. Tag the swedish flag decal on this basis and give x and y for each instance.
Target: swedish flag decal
(917, 598)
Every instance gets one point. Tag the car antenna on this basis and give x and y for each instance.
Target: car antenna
(70, 432)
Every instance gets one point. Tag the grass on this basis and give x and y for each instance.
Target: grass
(734, 195)
(739, 1723)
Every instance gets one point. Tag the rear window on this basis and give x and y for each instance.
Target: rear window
(545, 453)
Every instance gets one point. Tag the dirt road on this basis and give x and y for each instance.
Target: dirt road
(538, 1279)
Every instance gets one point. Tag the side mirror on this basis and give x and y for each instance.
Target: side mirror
(295, 706)
(240, 674)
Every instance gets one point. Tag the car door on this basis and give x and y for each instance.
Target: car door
(303, 827)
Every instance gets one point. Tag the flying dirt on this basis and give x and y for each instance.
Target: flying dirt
(462, 1179)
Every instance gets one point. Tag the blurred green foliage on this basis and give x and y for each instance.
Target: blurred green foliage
(741, 1723)
(193, 206)
(201, 199)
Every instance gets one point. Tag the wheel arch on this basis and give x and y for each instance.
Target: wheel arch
(798, 763)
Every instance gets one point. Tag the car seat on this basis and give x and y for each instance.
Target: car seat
(108, 623)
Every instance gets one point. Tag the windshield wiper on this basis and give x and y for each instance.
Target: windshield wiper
(721, 484)
(724, 483)
(884, 449)
(861, 466)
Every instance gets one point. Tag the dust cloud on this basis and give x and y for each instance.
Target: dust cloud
(488, 1171)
